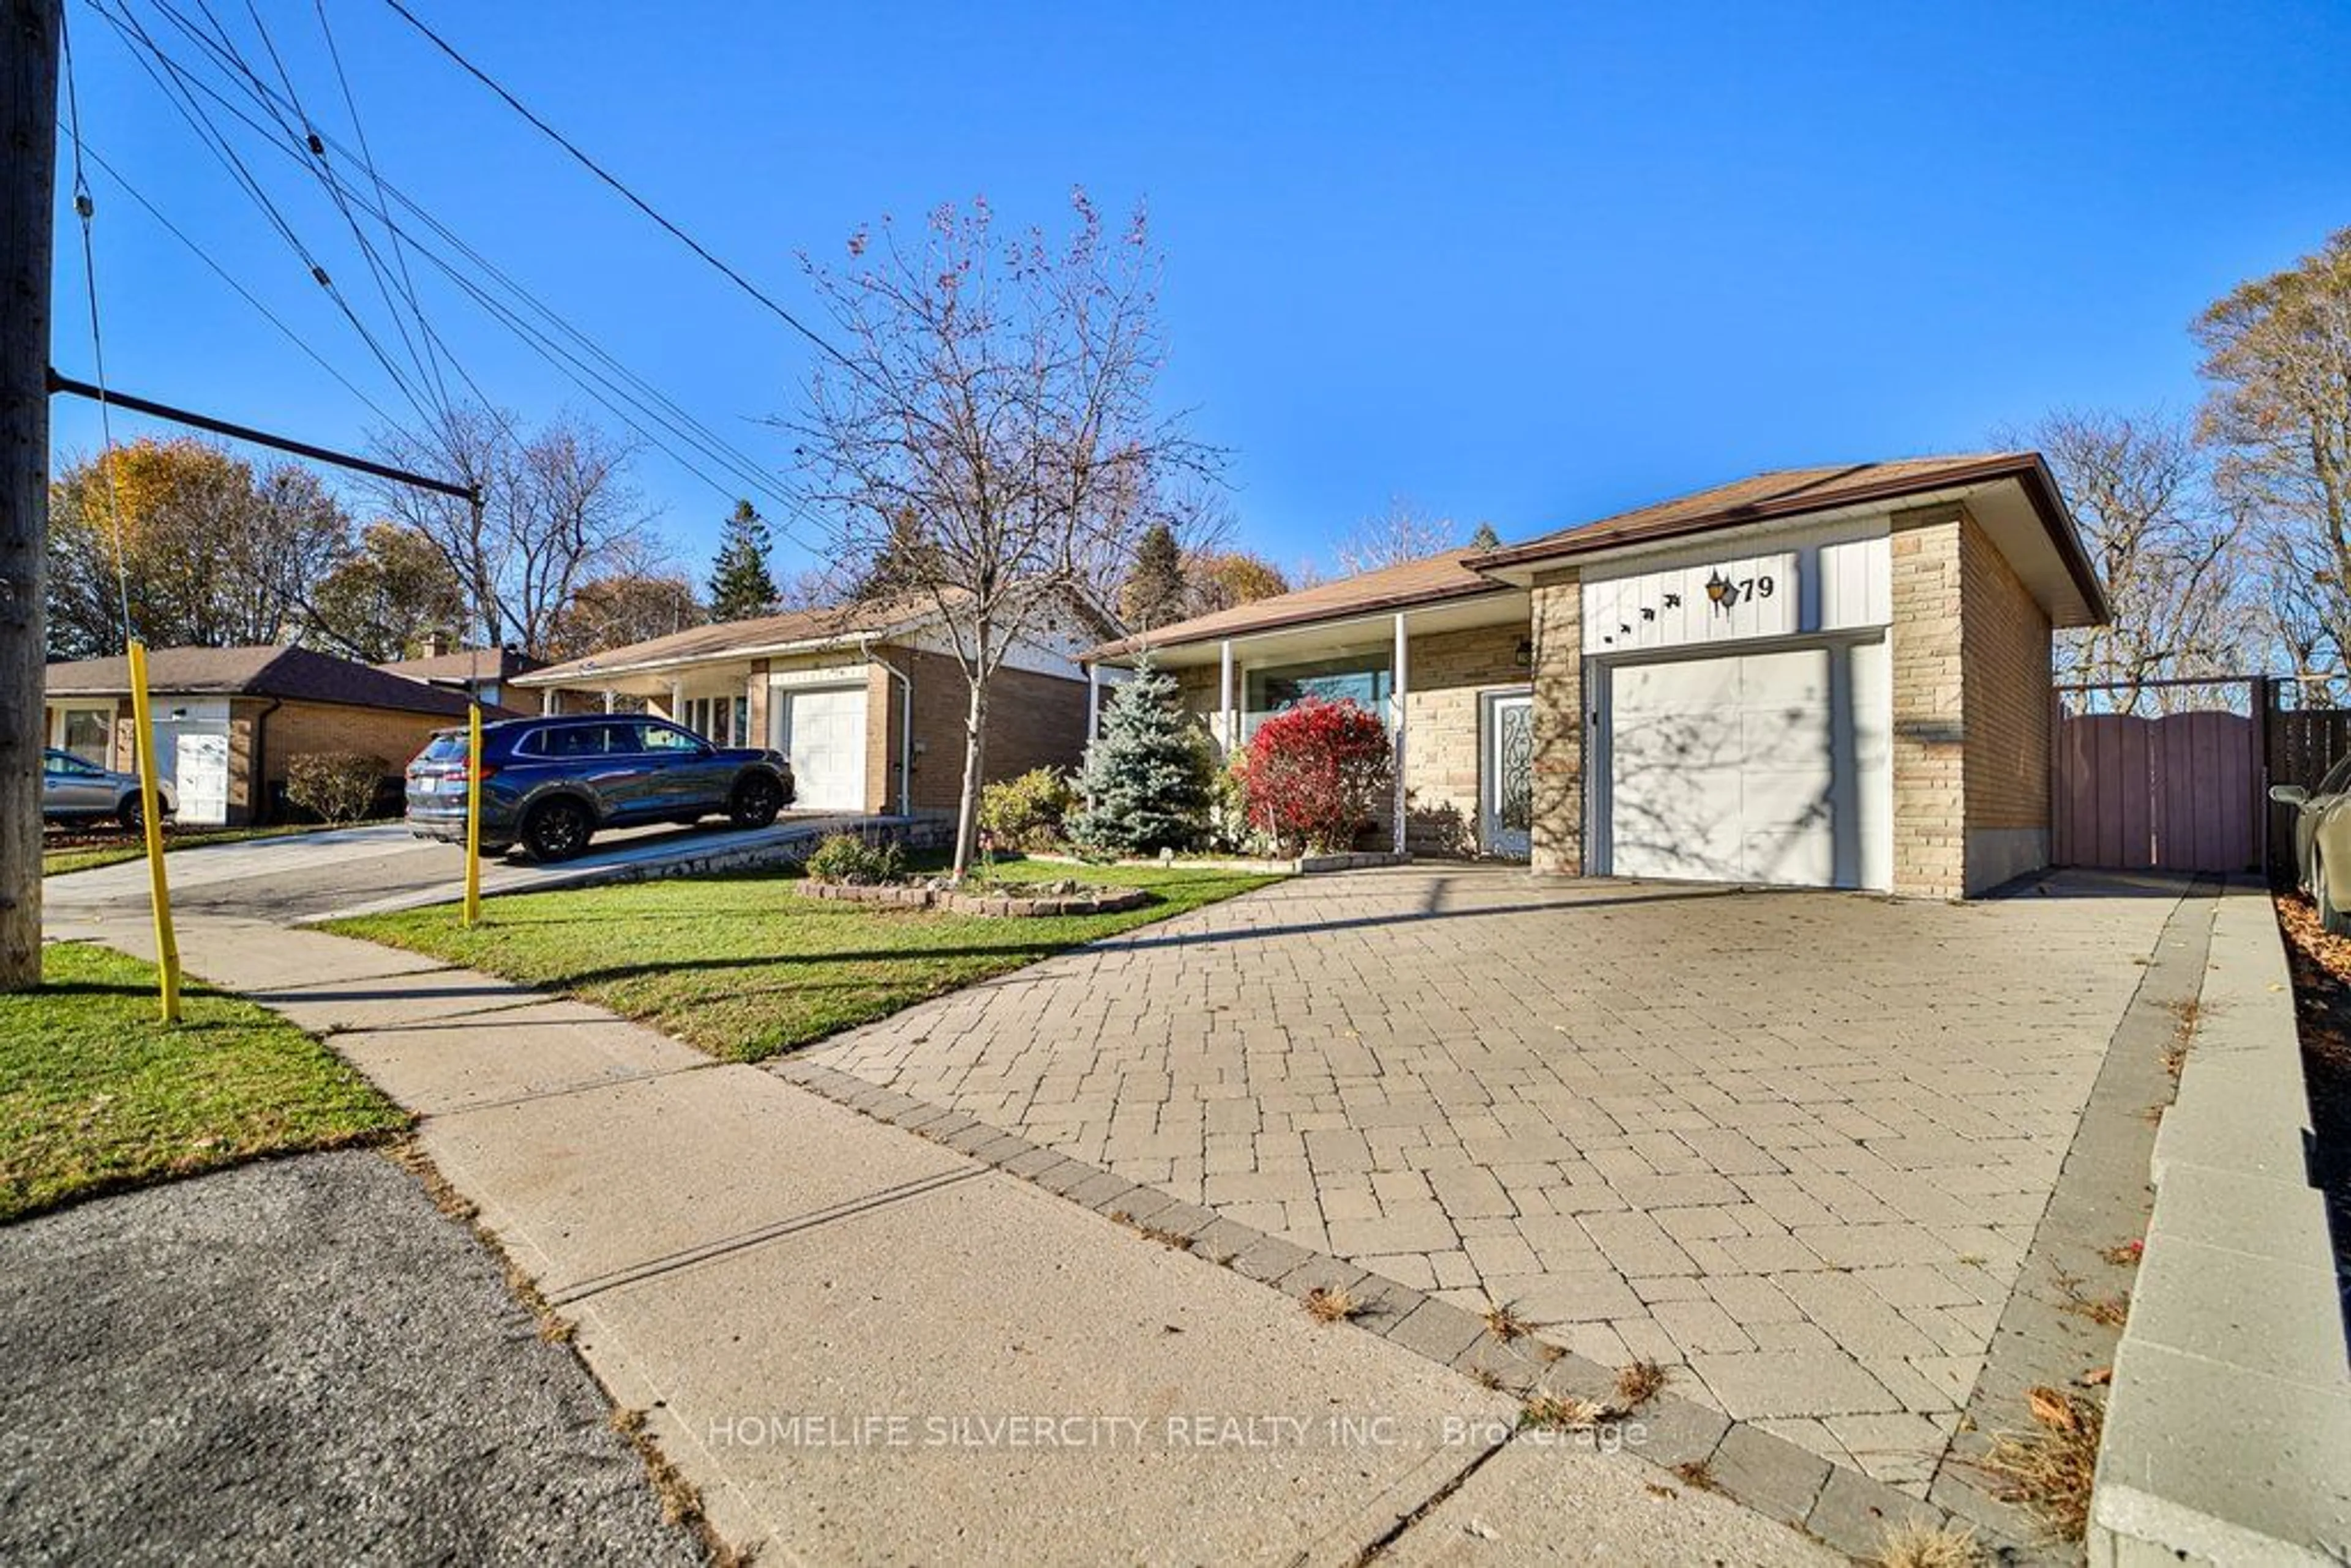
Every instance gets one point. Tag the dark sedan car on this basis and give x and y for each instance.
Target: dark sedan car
(549, 784)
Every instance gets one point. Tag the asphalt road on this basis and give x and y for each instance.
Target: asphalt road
(306, 876)
(298, 1362)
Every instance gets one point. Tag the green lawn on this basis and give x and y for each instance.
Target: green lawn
(129, 847)
(746, 966)
(96, 1093)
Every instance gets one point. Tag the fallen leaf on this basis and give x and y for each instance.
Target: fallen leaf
(2053, 1409)
(2097, 1377)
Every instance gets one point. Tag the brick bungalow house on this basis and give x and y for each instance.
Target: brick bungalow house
(226, 720)
(1833, 677)
(866, 699)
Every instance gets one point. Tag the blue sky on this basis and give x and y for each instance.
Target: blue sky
(1529, 263)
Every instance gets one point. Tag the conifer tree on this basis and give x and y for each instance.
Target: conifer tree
(1146, 780)
(740, 583)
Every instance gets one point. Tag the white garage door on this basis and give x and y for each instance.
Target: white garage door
(1764, 768)
(824, 735)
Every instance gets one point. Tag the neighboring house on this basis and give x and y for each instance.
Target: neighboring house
(867, 700)
(226, 720)
(1835, 677)
(480, 673)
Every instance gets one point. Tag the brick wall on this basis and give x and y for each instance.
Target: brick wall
(1033, 721)
(1559, 724)
(2006, 639)
(1447, 677)
(755, 691)
(1970, 654)
(1930, 704)
(884, 743)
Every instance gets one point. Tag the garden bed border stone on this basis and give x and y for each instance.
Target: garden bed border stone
(1295, 865)
(955, 901)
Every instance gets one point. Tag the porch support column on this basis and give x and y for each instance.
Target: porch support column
(1228, 728)
(1399, 688)
(608, 699)
(546, 699)
(1093, 703)
(678, 702)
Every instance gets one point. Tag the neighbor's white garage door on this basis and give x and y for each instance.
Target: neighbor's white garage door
(824, 735)
(1765, 768)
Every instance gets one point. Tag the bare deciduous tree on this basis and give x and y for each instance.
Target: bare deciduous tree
(2165, 547)
(558, 511)
(2278, 353)
(1400, 533)
(989, 442)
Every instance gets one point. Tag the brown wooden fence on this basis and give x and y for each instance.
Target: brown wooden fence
(2186, 789)
(2174, 793)
(2301, 744)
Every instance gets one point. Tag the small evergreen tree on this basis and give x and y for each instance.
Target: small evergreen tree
(1156, 589)
(741, 585)
(1484, 537)
(1147, 778)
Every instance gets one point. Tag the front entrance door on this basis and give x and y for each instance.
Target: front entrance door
(1506, 776)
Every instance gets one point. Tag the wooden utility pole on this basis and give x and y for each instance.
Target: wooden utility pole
(28, 173)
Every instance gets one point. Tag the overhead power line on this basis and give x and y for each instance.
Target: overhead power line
(169, 78)
(621, 186)
(266, 314)
(582, 368)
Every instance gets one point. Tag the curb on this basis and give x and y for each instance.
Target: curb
(2231, 1413)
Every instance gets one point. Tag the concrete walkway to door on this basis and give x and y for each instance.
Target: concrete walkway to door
(1793, 1145)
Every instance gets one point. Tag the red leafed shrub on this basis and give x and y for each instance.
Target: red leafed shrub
(1312, 773)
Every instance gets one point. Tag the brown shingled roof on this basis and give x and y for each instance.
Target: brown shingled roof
(465, 664)
(730, 638)
(1793, 492)
(294, 674)
(1430, 580)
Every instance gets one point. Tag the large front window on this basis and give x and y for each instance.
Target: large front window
(722, 721)
(1364, 679)
(88, 734)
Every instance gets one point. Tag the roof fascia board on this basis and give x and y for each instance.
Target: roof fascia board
(1300, 622)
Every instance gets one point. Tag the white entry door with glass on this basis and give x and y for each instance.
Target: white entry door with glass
(1506, 775)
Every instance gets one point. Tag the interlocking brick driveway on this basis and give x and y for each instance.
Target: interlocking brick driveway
(1794, 1143)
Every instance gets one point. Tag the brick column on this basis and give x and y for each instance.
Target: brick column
(1929, 739)
(754, 714)
(1558, 673)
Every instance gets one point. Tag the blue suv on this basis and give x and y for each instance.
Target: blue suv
(549, 784)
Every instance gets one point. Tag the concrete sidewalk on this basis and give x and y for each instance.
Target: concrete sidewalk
(860, 1342)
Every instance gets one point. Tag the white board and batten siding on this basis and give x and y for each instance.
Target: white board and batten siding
(1828, 582)
(1741, 710)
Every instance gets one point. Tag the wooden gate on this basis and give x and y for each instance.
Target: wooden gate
(2179, 792)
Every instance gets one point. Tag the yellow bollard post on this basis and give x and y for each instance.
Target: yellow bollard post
(167, 946)
(474, 815)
